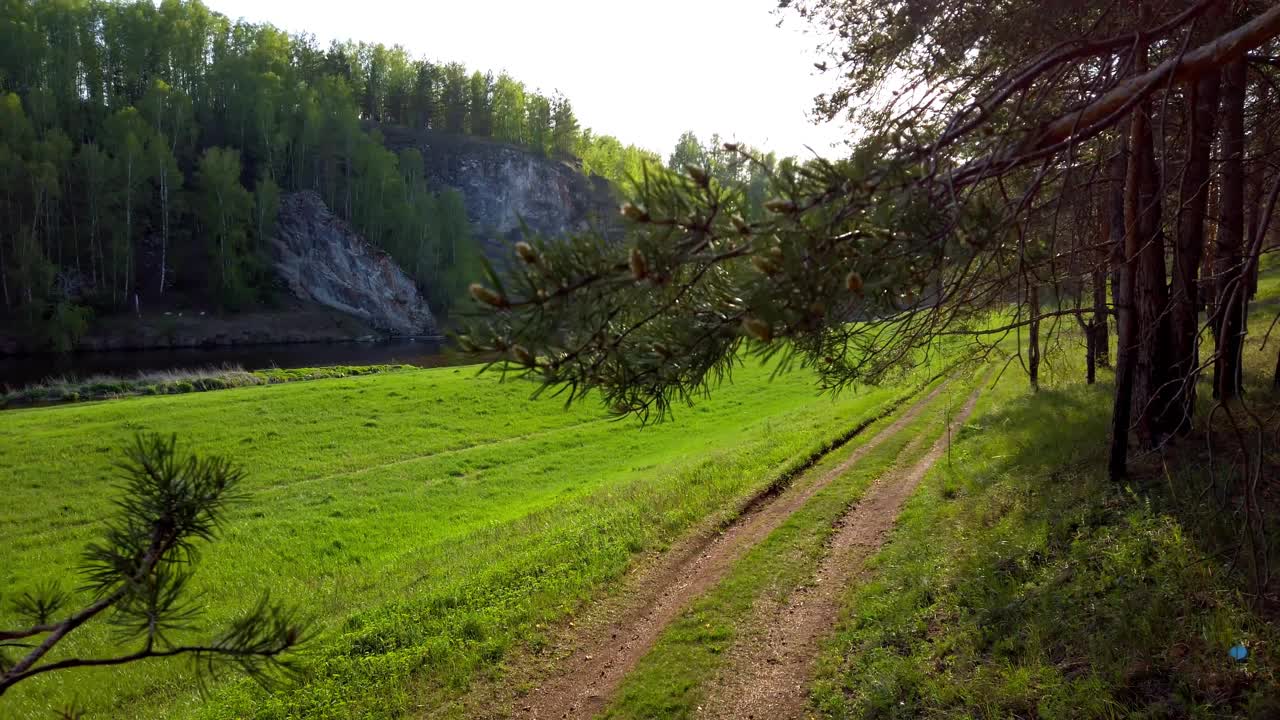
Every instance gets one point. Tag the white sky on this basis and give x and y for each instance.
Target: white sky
(643, 71)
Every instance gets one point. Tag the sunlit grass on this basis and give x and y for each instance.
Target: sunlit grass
(426, 519)
(672, 680)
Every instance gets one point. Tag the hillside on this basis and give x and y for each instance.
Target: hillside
(145, 165)
(506, 187)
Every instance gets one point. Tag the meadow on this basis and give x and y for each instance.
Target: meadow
(438, 525)
(425, 520)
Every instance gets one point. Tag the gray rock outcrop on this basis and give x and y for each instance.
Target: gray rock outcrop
(322, 259)
(503, 185)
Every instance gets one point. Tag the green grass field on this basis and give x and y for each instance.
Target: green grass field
(432, 521)
(426, 519)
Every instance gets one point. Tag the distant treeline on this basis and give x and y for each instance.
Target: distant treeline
(748, 178)
(396, 88)
(144, 147)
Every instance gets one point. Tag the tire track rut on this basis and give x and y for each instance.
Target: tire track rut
(768, 672)
(604, 652)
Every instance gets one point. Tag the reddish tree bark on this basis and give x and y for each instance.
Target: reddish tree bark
(1145, 248)
(1033, 339)
(1184, 295)
(1230, 291)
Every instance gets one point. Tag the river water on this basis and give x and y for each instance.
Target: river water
(20, 370)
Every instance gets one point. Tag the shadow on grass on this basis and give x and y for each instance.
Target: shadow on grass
(1021, 583)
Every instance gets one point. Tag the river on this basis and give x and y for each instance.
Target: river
(17, 371)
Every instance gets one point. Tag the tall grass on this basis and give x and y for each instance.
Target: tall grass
(172, 382)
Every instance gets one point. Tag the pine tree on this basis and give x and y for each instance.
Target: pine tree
(538, 123)
(454, 98)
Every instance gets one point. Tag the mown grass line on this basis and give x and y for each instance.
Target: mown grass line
(672, 679)
(435, 456)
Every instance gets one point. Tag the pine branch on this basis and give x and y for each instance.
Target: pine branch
(139, 573)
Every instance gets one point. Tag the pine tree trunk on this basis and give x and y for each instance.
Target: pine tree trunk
(1099, 340)
(1118, 169)
(1101, 337)
(128, 227)
(1202, 107)
(1091, 335)
(4, 277)
(1144, 245)
(1033, 339)
(1126, 321)
(4, 273)
(1091, 356)
(1097, 332)
(1256, 194)
(1208, 288)
(1228, 261)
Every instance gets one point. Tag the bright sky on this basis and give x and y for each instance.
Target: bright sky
(642, 71)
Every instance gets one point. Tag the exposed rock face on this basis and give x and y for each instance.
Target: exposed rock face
(503, 184)
(323, 260)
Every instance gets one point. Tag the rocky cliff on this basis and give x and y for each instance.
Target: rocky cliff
(503, 185)
(323, 260)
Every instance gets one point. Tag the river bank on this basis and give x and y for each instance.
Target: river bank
(297, 336)
(193, 328)
(175, 382)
